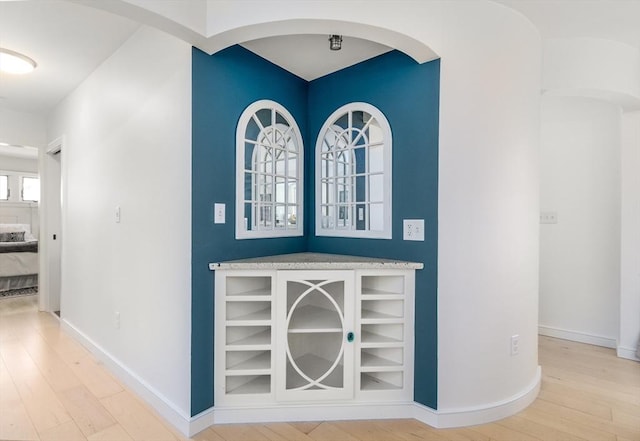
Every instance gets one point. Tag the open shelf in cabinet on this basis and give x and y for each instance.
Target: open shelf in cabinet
(248, 384)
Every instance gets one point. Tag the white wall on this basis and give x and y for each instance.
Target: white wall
(127, 132)
(580, 255)
(22, 128)
(629, 338)
(488, 202)
(11, 163)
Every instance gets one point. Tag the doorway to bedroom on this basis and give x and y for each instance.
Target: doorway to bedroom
(19, 220)
(51, 228)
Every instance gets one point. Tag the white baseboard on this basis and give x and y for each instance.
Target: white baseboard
(448, 418)
(628, 353)
(151, 396)
(581, 337)
(189, 426)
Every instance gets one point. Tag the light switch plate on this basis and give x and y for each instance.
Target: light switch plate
(218, 213)
(413, 229)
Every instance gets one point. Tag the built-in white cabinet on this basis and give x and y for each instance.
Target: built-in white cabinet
(302, 332)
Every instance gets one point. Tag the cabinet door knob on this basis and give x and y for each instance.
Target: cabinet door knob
(350, 337)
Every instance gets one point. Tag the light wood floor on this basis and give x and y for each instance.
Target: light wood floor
(51, 388)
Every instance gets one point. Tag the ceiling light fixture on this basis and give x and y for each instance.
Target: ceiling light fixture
(335, 42)
(15, 63)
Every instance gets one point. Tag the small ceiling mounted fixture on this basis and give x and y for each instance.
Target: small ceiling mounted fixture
(335, 42)
(15, 63)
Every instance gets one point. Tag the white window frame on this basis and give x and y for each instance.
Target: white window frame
(6, 175)
(14, 179)
(288, 231)
(330, 226)
(28, 176)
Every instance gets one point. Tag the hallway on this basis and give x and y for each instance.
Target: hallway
(51, 388)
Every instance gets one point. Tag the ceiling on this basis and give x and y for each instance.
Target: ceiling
(69, 40)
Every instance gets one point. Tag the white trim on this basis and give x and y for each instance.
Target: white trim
(150, 395)
(580, 337)
(441, 419)
(243, 121)
(628, 353)
(302, 412)
(469, 416)
(387, 204)
(55, 146)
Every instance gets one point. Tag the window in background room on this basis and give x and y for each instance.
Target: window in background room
(353, 174)
(30, 189)
(4, 188)
(269, 165)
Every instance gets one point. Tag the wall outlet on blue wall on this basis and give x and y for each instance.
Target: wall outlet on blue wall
(413, 229)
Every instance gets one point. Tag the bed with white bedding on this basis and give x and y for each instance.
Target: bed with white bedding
(18, 257)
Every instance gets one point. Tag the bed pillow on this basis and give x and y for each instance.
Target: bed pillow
(13, 236)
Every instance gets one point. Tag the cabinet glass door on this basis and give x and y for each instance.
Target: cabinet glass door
(316, 325)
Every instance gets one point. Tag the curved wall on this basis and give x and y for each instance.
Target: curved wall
(488, 185)
(593, 68)
(488, 175)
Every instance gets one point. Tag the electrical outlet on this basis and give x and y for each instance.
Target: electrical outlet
(549, 217)
(515, 344)
(116, 320)
(117, 213)
(218, 213)
(413, 229)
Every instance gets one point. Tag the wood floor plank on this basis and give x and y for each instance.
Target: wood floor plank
(113, 433)
(136, 419)
(208, 435)
(240, 432)
(536, 429)
(330, 432)
(43, 406)
(85, 409)
(53, 389)
(94, 376)
(283, 432)
(65, 432)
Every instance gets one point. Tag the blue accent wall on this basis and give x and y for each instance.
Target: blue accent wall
(224, 84)
(407, 93)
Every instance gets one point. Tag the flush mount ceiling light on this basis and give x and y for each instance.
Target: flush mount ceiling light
(15, 63)
(335, 42)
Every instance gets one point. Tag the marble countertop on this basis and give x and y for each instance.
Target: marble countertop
(314, 261)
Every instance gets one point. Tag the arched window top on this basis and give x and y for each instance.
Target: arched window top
(353, 173)
(269, 167)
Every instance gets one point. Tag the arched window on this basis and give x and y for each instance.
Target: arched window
(269, 165)
(353, 174)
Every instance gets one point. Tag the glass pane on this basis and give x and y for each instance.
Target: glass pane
(281, 221)
(292, 216)
(266, 216)
(376, 217)
(327, 189)
(361, 189)
(361, 216)
(360, 157)
(376, 188)
(4, 187)
(344, 217)
(264, 116)
(327, 166)
(249, 149)
(375, 133)
(252, 130)
(328, 217)
(281, 119)
(248, 216)
(343, 121)
(376, 159)
(280, 191)
(292, 172)
(30, 189)
(292, 194)
(249, 187)
(280, 162)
